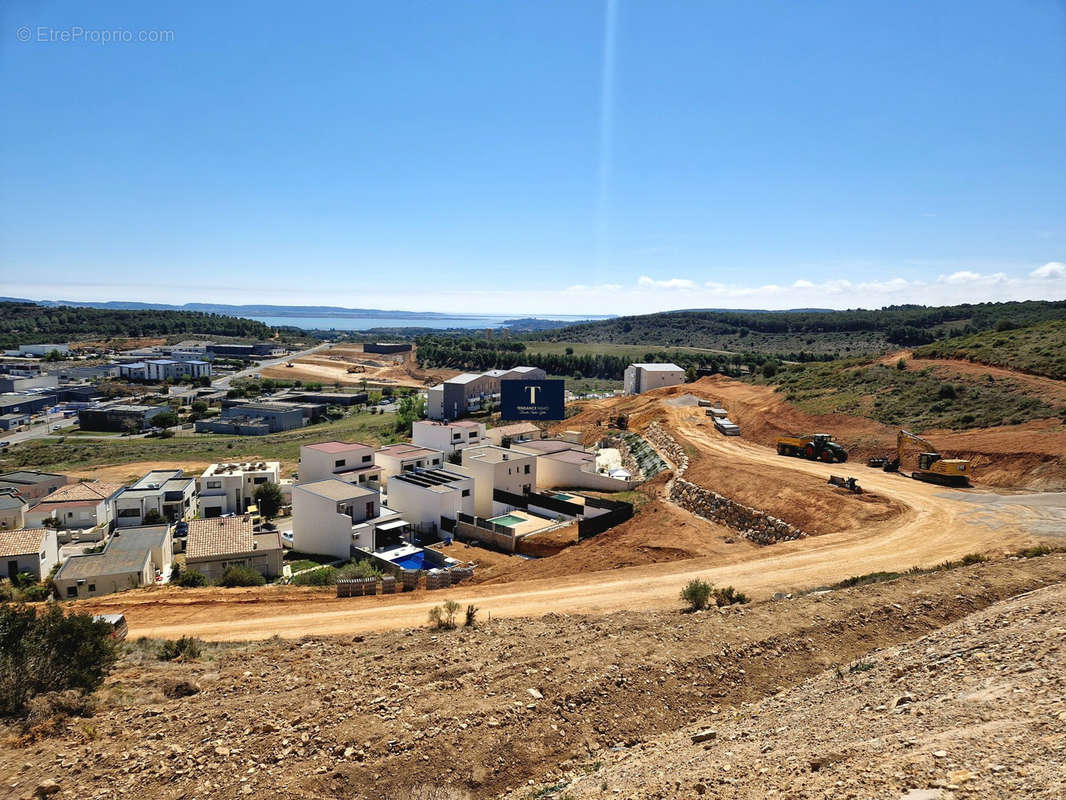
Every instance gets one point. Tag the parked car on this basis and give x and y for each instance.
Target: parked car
(181, 528)
(286, 539)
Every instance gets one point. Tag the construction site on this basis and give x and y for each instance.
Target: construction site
(349, 365)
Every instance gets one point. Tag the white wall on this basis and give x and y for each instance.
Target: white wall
(510, 475)
(316, 465)
(446, 438)
(32, 562)
(422, 506)
(555, 474)
(318, 528)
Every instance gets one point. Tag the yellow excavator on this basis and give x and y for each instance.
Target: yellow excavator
(932, 467)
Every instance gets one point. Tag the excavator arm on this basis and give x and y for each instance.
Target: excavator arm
(904, 436)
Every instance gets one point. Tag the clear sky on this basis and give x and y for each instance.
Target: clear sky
(501, 156)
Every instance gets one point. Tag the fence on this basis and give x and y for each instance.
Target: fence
(618, 512)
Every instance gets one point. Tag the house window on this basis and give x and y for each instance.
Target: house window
(436, 462)
(258, 481)
(527, 469)
(466, 492)
(72, 591)
(129, 512)
(92, 587)
(366, 459)
(339, 462)
(370, 509)
(214, 484)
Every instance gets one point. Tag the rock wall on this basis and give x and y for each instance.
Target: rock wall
(758, 526)
(752, 524)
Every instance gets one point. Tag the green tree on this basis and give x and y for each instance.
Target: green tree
(696, 593)
(164, 420)
(50, 652)
(153, 517)
(269, 500)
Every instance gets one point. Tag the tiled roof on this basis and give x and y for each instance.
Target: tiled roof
(219, 536)
(22, 541)
(90, 491)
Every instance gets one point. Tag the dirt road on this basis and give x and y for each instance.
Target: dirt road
(937, 524)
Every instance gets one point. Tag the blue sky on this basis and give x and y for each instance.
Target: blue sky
(499, 156)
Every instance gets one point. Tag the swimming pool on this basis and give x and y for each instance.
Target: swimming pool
(564, 497)
(414, 561)
(508, 520)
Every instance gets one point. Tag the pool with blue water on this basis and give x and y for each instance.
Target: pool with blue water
(414, 561)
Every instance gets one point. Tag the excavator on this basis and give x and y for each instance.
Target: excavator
(932, 467)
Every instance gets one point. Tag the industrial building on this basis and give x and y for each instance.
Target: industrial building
(640, 378)
(119, 418)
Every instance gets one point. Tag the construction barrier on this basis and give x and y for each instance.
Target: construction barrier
(388, 584)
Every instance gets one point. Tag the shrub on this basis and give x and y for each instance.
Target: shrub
(729, 596)
(50, 652)
(187, 648)
(153, 517)
(358, 569)
(443, 617)
(190, 579)
(471, 616)
(901, 364)
(326, 576)
(46, 713)
(973, 558)
(241, 576)
(696, 593)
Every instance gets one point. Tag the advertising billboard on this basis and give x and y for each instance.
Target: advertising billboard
(540, 400)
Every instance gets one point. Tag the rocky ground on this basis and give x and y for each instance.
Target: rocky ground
(977, 709)
(573, 706)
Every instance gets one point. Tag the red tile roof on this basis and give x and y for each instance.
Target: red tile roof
(22, 541)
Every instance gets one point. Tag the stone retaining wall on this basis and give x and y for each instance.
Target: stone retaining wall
(758, 526)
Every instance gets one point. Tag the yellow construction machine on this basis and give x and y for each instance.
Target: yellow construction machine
(932, 467)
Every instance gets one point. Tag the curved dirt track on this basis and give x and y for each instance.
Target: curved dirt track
(937, 524)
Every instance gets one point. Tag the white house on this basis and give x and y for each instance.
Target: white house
(447, 437)
(131, 558)
(330, 517)
(12, 510)
(568, 465)
(641, 378)
(352, 462)
(230, 488)
(494, 468)
(397, 458)
(515, 432)
(31, 550)
(77, 505)
(425, 496)
(168, 492)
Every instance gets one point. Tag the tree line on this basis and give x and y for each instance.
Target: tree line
(29, 323)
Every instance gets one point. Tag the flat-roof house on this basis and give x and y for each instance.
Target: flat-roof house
(331, 517)
(77, 506)
(515, 432)
(168, 369)
(215, 544)
(426, 496)
(131, 558)
(229, 488)
(31, 550)
(567, 465)
(352, 462)
(168, 492)
(31, 484)
(641, 378)
(12, 510)
(494, 468)
(397, 458)
(448, 437)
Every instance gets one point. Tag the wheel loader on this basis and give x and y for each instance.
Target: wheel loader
(813, 447)
(932, 467)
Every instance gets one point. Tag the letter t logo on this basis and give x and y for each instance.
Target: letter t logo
(532, 394)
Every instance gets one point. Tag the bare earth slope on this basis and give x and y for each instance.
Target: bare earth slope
(977, 709)
(532, 703)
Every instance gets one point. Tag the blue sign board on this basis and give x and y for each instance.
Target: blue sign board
(532, 400)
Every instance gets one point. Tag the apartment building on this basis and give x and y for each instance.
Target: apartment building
(167, 369)
(168, 492)
(640, 378)
(229, 488)
(458, 396)
(448, 437)
(493, 468)
(352, 462)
